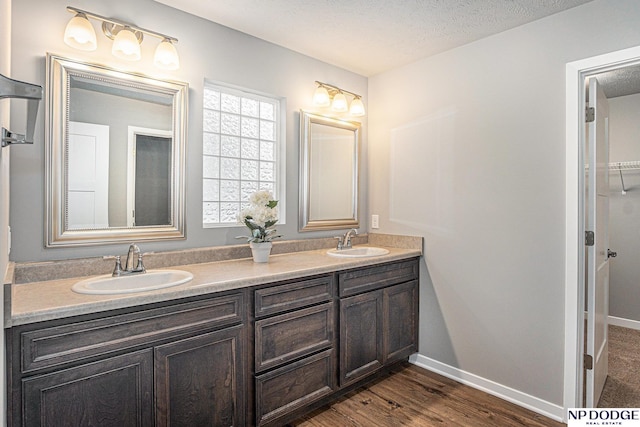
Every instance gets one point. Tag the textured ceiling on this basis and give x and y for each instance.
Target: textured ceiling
(371, 36)
(620, 82)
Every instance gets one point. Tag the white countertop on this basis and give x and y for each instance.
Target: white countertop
(54, 299)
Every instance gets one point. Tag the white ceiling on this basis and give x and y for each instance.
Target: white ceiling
(371, 36)
(621, 81)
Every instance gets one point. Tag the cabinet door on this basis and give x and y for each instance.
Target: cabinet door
(360, 336)
(200, 381)
(400, 333)
(112, 392)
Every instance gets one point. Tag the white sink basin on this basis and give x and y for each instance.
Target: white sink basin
(140, 282)
(363, 252)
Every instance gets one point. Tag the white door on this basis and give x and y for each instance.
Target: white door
(598, 254)
(88, 176)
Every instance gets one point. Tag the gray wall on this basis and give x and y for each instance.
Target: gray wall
(207, 50)
(477, 135)
(624, 210)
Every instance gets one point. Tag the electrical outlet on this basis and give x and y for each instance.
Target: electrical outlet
(375, 221)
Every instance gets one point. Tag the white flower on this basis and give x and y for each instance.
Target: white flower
(261, 198)
(260, 216)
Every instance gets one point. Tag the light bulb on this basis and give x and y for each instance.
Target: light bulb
(126, 45)
(80, 34)
(166, 56)
(339, 103)
(321, 97)
(357, 107)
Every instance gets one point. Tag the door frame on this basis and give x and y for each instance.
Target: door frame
(576, 74)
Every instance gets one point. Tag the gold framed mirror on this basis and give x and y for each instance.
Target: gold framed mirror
(329, 151)
(115, 155)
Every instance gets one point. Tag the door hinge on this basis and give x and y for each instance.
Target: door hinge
(589, 238)
(588, 362)
(590, 114)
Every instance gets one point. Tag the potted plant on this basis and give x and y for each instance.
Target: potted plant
(260, 216)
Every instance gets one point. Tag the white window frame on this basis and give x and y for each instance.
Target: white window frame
(279, 146)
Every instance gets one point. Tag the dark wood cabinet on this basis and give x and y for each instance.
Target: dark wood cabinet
(400, 324)
(115, 392)
(298, 364)
(199, 380)
(360, 336)
(294, 341)
(292, 386)
(262, 356)
(177, 364)
(288, 336)
(378, 325)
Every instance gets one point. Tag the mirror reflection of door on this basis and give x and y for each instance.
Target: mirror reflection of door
(149, 177)
(88, 176)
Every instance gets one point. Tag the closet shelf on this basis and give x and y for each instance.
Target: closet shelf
(621, 166)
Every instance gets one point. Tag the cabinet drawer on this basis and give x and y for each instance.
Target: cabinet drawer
(353, 282)
(290, 296)
(288, 388)
(43, 348)
(288, 336)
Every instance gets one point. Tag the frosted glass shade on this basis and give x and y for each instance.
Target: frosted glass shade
(166, 56)
(80, 34)
(321, 97)
(126, 45)
(357, 107)
(339, 103)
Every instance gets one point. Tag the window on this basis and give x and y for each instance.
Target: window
(241, 152)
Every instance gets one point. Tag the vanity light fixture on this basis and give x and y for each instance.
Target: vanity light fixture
(166, 56)
(126, 37)
(339, 103)
(357, 107)
(328, 95)
(80, 34)
(126, 45)
(321, 97)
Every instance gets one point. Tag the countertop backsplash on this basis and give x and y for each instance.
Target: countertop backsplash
(45, 291)
(26, 272)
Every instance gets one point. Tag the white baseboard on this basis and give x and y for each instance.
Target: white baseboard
(625, 323)
(519, 398)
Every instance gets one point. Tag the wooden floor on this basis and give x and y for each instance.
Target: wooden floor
(412, 396)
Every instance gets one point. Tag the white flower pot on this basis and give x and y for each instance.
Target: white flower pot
(260, 251)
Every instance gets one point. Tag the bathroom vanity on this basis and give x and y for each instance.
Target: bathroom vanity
(262, 349)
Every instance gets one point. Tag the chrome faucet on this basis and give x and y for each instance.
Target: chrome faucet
(134, 251)
(344, 242)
